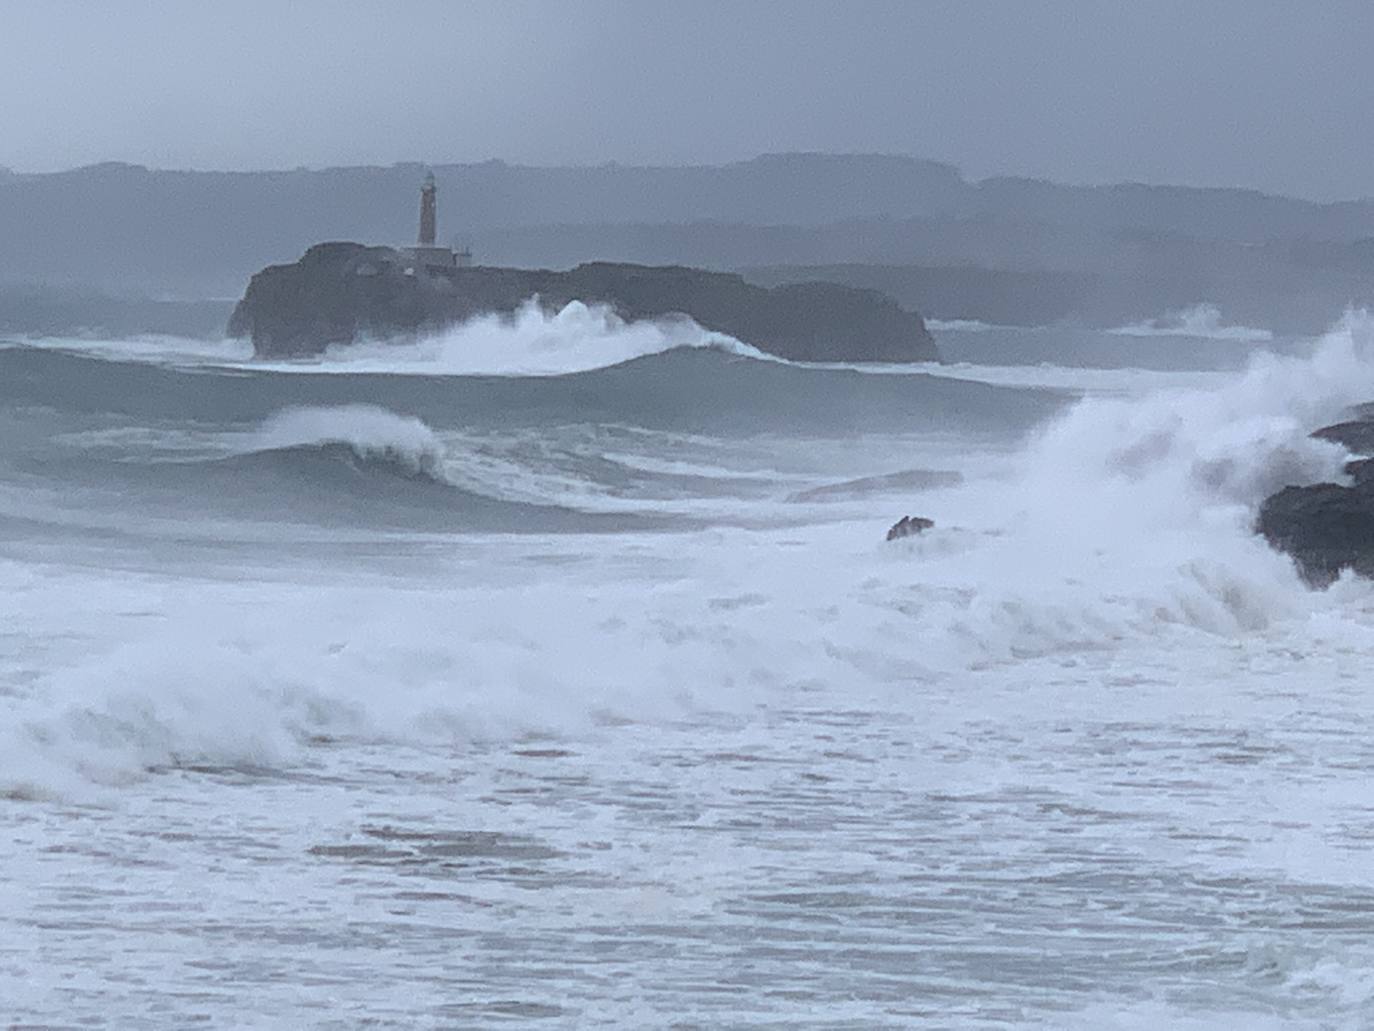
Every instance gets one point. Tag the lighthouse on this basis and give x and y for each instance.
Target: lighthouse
(426, 253)
(428, 215)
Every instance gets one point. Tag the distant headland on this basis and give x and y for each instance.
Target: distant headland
(342, 292)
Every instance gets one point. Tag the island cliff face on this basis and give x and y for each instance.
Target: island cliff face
(342, 292)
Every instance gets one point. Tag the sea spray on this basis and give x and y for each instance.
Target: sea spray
(1131, 519)
(1231, 444)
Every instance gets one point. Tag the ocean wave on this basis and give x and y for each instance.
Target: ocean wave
(1123, 541)
(905, 480)
(150, 348)
(1081, 379)
(252, 676)
(369, 433)
(530, 342)
(1202, 321)
(961, 326)
(1229, 443)
(685, 389)
(305, 470)
(363, 464)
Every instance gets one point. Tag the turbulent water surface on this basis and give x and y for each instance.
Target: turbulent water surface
(556, 672)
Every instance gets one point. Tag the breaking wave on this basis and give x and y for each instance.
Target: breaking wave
(1201, 320)
(362, 464)
(960, 326)
(692, 389)
(369, 433)
(531, 342)
(1127, 524)
(1128, 516)
(1124, 523)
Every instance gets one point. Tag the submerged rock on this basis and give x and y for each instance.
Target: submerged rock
(909, 526)
(342, 292)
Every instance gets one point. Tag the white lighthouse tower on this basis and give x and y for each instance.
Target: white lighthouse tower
(426, 252)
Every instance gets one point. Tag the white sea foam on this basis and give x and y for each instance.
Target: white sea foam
(248, 675)
(370, 431)
(1090, 722)
(157, 349)
(1133, 512)
(1128, 520)
(531, 342)
(1201, 320)
(960, 326)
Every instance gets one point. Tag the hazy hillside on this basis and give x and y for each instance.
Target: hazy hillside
(1010, 249)
(124, 226)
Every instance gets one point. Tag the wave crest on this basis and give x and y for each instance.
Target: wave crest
(533, 342)
(1201, 320)
(371, 433)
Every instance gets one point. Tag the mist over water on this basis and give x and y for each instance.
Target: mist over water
(567, 658)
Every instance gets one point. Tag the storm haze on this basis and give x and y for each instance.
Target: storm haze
(1262, 95)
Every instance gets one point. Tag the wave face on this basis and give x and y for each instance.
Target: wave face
(547, 657)
(369, 433)
(688, 388)
(228, 448)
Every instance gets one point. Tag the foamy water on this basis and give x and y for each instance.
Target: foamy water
(371, 700)
(1203, 321)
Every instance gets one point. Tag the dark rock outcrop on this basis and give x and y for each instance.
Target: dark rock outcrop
(1361, 470)
(909, 526)
(1357, 435)
(341, 292)
(1327, 527)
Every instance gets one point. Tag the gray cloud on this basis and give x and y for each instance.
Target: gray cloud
(1266, 94)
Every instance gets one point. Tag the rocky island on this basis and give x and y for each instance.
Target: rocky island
(338, 293)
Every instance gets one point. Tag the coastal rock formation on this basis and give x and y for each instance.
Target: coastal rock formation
(1327, 527)
(1361, 470)
(341, 292)
(909, 526)
(1357, 435)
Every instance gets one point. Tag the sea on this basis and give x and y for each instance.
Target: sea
(555, 671)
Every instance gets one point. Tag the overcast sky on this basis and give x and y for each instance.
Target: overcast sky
(1266, 93)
